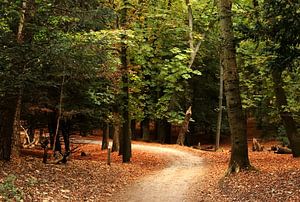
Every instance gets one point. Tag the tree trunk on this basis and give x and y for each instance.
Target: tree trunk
(132, 129)
(184, 127)
(239, 149)
(59, 116)
(219, 121)
(164, 131)
(105, 137)
(145, 129)
(116, 125)
(51, 127)
(286, 116)
(194, 50)
(116, 143)
(10, 117)
(6, 127)
(65, 129)
(126, 139)
(16, 143)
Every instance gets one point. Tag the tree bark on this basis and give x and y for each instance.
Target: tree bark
(286, 116)
(6, 127)
(56, 135)
(194, 50)
(184, 127)
(65, 130)
(116, 143)
(126, 139)
(105, 137)
(10, 116)
(239, 147)
(116, 125)
(219, 121)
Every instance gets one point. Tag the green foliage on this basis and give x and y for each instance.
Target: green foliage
(282, 137)
(80, 41)
(268, 37)
(9, 191)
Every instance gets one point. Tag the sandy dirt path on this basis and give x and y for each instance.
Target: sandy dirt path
(170, 184)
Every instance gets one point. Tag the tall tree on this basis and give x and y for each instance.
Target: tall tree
(281, 29)
(126, 139)
(11, 104)
(239, 148)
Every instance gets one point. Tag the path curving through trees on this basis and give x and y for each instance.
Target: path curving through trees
(170, 184)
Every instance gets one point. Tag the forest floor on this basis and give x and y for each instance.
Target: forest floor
(193, 175)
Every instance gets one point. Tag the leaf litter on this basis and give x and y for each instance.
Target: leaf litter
(89, 178)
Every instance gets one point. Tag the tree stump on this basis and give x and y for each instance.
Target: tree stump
(184, 127)
(256, 146)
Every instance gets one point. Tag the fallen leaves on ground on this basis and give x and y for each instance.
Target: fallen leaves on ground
(82, 178)
(276, 178)
(89, 178)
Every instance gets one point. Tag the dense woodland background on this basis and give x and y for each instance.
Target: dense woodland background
(134, 67)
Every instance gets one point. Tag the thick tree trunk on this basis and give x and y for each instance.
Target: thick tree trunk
(184, 127)
(10, 115)
(287, 118)
(239, 149)
(105, 137)
(126, 139)
(6, 127)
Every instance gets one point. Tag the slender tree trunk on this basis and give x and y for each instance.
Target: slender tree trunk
(116, 143)
(145, 129)
(239, 147)
(185, 126)
(164, 131)
(287, 118)
(65, 129)
(132, 129)
(111, 130)
(126, 139)
(219, 121)
(56, 136)
(105, 137)
(116, 133)
(16, 142)
(16, 126)
(51, 127)
(194, 50)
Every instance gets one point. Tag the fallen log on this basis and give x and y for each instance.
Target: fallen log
(281, 150)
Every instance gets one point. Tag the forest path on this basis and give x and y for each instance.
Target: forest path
(170, 184)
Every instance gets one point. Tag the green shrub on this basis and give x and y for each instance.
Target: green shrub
(9, 191)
